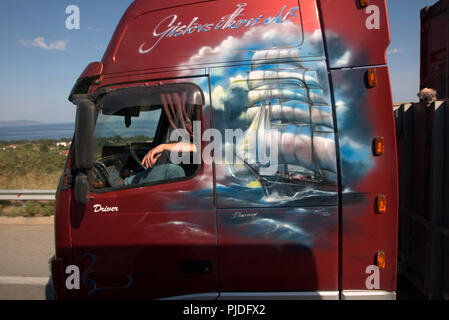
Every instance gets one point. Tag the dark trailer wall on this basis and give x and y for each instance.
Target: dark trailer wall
(434, 48)
(422, 134)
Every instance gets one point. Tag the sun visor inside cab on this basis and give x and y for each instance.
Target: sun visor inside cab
(136, 97)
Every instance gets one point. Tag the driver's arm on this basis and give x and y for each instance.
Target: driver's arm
(151, 157)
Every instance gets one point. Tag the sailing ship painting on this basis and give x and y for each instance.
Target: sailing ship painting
(287, 112)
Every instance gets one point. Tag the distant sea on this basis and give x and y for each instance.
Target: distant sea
(37, 131)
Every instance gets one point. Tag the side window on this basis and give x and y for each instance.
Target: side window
(132, 136)
(111, 132)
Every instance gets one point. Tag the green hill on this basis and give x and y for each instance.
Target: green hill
(36, 165)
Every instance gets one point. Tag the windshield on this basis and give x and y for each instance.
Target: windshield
(113, 130)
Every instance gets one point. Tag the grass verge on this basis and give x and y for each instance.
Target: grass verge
(27, 208)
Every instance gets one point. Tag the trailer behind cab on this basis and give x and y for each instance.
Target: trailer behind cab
(434, 48)
(307, 81)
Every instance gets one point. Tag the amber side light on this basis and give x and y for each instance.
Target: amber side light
(378, 146)
(381, 261)
(381, 204)
(371, 78)
(364, 3)
(99, 80)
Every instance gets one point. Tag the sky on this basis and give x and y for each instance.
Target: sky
(41, 59)
(404, 50)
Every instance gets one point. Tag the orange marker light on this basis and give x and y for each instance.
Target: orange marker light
(378, 146)
(381, 261)
(364, 3)
(99, 80)
(371, 78)
(381, 204)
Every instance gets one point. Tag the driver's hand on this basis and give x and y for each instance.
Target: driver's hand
(151, 157)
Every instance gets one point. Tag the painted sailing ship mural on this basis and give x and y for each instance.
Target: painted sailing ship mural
(287, 113)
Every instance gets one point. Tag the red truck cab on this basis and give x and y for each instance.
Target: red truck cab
(308, 80)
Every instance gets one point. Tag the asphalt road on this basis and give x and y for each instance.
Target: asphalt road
(25, 249)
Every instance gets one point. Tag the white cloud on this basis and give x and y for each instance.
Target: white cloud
(346, 141)
(218, 98)
(237, 79)
(341, 106)
(316, 36)
(231, 48)
(343, 60)
(340, 56)
(39, 42)
(393, 51)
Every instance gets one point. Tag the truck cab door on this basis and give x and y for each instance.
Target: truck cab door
(148, 239)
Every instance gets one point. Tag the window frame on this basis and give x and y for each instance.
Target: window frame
(160, 133)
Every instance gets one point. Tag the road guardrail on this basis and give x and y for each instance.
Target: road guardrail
(27, 195)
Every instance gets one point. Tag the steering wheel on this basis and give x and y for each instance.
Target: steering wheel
(136, 159)
(101, 174)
